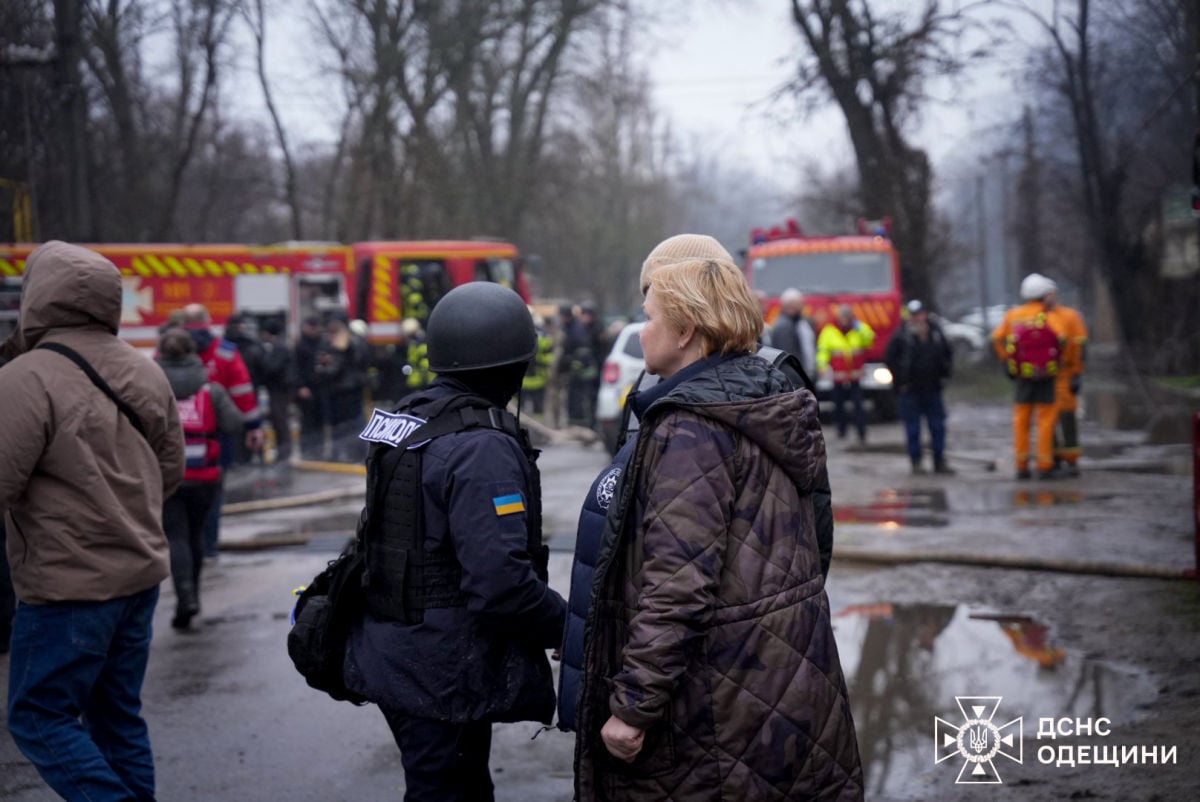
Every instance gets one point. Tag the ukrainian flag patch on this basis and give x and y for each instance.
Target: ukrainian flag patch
(507, 505)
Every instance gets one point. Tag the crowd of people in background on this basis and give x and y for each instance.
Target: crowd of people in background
(182, 420)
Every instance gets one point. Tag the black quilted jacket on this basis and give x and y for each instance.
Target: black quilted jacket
(709, 625)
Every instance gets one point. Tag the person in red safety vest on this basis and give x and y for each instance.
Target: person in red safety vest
(206, 411)
(226, 368)
(841, 354)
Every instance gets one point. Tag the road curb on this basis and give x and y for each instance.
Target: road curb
(353, 469)
(1028, 563)
(287, 502)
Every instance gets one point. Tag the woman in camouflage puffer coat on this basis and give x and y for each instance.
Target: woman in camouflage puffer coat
(710, 668)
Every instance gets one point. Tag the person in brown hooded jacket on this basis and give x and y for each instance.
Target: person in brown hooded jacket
(82, 478)
(710, 669)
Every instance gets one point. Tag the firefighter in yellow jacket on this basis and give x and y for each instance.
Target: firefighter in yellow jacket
(842, 354)
(537, 375)
(1066, 387)
(1030, 347)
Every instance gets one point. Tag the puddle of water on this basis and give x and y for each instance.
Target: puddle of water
(930, 507)
(905, 664)
(895, 508)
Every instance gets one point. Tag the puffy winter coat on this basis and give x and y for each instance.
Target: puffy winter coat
(709, 627)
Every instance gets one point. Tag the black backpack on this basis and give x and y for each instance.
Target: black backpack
(324, 615)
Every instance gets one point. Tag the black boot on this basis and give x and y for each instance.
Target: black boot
(940, 466)
(186, 606)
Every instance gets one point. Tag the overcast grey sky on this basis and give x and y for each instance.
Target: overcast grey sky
(713, 64)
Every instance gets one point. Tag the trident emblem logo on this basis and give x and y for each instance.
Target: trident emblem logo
(977, 740)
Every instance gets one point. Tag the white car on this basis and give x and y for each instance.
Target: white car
(624, 364)
(970, 343)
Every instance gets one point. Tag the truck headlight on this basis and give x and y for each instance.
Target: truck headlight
(882, 376)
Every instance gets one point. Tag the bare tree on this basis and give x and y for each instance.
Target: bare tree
(254, 12)
(503, 102)
(200, 28)
(874, 66)
(1112, 84)
(606, 193)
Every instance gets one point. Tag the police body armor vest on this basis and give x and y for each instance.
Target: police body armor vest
(404, 579)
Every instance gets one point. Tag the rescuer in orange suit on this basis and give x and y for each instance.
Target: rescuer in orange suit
(1030, 347)
(1066, 387)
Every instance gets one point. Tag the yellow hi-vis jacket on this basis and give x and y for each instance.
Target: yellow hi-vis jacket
(845, 352)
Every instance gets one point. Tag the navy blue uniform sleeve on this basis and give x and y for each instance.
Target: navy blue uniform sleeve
(488, 499)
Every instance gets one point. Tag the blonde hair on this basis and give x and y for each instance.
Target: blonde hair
(712, 295)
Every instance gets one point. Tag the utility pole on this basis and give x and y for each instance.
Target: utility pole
(981, 246)
(1029, 234)
(1006, 270)
(72, 120)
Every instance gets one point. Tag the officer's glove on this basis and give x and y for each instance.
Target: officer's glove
(1076, 382)
(541, 562)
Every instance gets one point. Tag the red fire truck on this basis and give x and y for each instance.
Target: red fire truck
(861, 270)
(398, 280)
(380, 282)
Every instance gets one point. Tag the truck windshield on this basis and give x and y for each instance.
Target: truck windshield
(824, 273)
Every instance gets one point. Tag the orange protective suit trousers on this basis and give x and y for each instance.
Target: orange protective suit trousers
(1023, 417)
(1066, 443)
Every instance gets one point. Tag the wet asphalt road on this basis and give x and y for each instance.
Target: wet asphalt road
(230, 719)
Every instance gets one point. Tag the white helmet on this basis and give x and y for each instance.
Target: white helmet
(1036, 286)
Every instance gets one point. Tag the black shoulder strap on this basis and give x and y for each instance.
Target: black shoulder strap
(790, 365)
(86, 367)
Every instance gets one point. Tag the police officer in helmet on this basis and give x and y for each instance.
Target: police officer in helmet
(459, 614)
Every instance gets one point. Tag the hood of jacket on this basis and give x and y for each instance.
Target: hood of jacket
(186, 374)
(68, 287)
(755, 398)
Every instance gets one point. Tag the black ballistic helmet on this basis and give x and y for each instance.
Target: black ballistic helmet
(479, 325)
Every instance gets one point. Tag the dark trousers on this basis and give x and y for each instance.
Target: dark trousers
(185, 515)
(212, 523)
(312, 429)
(851, 392)
(443, 762)
(74, 695)
(924, 403)
(278, 414)
(537, 400)
(580, 402)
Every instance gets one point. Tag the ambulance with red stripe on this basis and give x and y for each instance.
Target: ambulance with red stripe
(381, 283)
(862, 270)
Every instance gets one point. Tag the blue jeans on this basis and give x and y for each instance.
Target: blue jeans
(74, 695)
(927, 403)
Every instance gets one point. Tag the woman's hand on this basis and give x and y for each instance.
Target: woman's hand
(622, 740)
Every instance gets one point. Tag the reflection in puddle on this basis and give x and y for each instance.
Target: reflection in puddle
(906, 663)
(1046, 498)
(895, 508)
